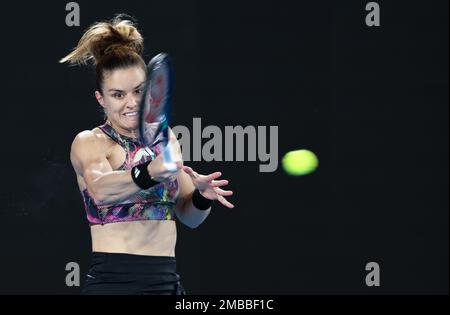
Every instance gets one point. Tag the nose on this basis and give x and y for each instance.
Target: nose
(133, 101)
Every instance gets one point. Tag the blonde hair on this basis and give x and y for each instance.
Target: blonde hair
(108, 46)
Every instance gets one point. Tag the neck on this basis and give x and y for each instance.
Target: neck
(134, 133)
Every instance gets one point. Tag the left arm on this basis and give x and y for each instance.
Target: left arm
(188, 182)
(184, 209)
(209, 188)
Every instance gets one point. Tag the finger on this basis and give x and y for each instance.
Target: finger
(191, 172)
(188, 170)
(218, 183)
(213, 176)
(224, 192)
(223, 201)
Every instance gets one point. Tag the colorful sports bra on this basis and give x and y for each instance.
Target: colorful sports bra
(155, 203)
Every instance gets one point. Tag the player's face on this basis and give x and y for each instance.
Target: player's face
(122, 92)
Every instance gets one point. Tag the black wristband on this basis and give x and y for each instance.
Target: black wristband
(200, 202)
(141, 177)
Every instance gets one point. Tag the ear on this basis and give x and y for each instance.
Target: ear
(99, 98)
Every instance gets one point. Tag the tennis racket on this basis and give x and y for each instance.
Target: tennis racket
(155, 106)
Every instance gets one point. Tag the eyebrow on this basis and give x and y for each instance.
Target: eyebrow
(118, 90)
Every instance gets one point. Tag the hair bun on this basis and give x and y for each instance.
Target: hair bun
(117, 36)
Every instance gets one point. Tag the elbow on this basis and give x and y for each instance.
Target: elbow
(193, 226)
(99, 201)
(191, 217)
(189, 223)
(98, 198)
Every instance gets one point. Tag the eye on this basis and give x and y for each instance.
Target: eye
(118, 95)
(138, 91)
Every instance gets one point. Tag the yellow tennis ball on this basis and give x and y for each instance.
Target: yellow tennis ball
(299, 162)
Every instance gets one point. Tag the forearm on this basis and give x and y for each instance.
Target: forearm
(190, 215)
(113, 187)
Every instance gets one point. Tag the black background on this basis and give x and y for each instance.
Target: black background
(371, 102)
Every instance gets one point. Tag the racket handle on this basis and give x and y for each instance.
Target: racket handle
(169, 158)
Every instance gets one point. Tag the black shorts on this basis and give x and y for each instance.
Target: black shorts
(112, 273)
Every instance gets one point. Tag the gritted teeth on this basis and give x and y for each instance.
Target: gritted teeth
(131, 114)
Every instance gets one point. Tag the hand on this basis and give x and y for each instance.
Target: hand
(157, 169)
(209, 187)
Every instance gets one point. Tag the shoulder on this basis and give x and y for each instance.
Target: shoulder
(90, 137)
(85, 138)
(88, 146)
(89, 142)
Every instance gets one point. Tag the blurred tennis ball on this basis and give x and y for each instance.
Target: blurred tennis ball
(299, 162)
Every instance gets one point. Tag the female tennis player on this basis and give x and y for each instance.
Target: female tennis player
(131, 199)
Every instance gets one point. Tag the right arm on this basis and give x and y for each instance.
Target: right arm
(103, 184)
